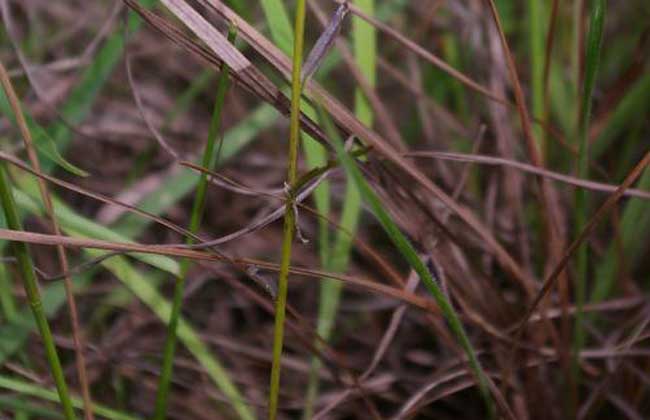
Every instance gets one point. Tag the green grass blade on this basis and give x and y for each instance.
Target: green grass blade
(22, 409)
(594, 44)
(315, 155)
(209, 160)
(279, 24)
(38, 391)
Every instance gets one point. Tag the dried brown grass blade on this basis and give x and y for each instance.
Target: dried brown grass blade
(183, 252)
(531, 169)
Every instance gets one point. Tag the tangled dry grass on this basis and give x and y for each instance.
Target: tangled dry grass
(466, 118)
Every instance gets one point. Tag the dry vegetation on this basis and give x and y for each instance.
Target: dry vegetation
(480, 248)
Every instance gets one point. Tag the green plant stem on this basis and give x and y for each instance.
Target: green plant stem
(592, 61)
(26, 266)
(290, 217)
(208, 161)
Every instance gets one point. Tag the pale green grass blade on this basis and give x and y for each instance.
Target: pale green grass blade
(364, 41)
(38, 391)
(279, 24)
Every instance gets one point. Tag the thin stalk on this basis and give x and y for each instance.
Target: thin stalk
(592, 61)
(290, 216)
(209, 160)
(26, 267)
(61, 255)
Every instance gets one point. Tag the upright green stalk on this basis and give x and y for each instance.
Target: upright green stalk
(290, 216)
(31, 289)
(208, 161)
(593, 47)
